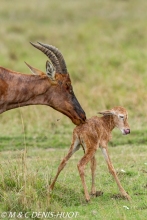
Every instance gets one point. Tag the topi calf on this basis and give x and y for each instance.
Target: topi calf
(93, 134)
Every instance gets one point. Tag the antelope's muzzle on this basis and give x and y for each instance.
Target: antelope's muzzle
(127, 131)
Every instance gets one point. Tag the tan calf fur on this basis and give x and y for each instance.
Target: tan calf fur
(93, 134)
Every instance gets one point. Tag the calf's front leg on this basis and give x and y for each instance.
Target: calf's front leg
(112, 171)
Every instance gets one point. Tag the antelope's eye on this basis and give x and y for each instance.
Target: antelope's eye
(69, 88)
(121, 116)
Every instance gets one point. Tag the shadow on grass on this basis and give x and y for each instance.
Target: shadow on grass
(66, 196)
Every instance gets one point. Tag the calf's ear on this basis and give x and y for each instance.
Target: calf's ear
(107, 112)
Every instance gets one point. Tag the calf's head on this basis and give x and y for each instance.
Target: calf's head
(120, 118)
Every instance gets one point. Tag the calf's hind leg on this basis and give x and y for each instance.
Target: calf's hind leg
(74, 147)
(93, 168)
(81, 167)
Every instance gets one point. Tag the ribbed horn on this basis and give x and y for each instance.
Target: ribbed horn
(58, 55)
(50, 55)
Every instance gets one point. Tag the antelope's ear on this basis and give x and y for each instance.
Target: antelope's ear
(107, 112)
(50, 70)
(34, 70)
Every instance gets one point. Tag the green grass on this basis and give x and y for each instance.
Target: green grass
(104, 45)
(24, 183)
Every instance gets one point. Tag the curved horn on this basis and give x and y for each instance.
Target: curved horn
(58, 55)
(50, 55)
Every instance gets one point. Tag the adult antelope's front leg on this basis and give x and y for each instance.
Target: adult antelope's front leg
(112, 171)
(74, 147)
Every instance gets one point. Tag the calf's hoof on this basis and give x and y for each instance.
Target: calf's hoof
(126, 196)
(97, 193)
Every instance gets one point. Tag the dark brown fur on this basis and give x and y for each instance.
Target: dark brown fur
(17, 90)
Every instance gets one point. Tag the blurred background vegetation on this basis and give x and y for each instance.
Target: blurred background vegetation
(104, 45)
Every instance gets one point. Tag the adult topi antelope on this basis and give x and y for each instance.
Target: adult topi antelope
(52, 88)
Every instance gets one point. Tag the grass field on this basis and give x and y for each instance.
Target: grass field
(104, 45)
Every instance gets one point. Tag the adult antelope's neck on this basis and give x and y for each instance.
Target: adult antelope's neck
(18, 89)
